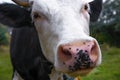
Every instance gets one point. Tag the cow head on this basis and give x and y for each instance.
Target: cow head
(63, 30)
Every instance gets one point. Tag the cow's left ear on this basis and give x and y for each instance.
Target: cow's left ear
(95, 9)
(14, 16)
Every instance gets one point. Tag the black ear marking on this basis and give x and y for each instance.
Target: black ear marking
(14, 15)
(95, 9)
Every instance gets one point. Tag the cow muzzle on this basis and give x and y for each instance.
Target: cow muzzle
(79, 55)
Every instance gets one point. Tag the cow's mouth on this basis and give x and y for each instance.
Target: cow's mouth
(81, 72)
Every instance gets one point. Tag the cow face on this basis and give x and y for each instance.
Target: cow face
(63, 30)
(60, 23)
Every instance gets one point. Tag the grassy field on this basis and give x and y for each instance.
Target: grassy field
(109, 69)
(5, 65)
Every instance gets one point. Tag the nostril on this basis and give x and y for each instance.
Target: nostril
(94, 52)
(66, 52)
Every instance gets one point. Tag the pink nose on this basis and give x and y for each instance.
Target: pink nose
(78, 52)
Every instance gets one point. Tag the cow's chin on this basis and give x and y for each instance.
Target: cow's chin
(82, 72)
(76, 73)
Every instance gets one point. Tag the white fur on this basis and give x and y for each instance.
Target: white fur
(63, 21)
(16, 76)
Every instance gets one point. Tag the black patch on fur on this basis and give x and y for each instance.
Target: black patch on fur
(26, 55)
(95, 9)
(15, 16)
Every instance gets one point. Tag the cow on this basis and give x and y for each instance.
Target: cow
(50, 38)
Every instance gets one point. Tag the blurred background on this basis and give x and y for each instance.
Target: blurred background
(106, 30)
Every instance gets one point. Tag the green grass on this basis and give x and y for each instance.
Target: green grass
(108, 70)
(5, 65)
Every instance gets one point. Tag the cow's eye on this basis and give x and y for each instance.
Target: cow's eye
(36, 15)
(86, 7)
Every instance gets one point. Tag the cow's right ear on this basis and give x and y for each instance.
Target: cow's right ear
(14, 16)
(95, 9)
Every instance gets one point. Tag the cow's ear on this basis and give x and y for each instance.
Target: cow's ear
(95, 9)
(14, 15)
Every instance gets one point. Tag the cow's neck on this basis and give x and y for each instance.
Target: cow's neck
(55, 75)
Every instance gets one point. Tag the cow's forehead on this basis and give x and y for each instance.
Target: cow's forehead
(63, 0)
(57, 4)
